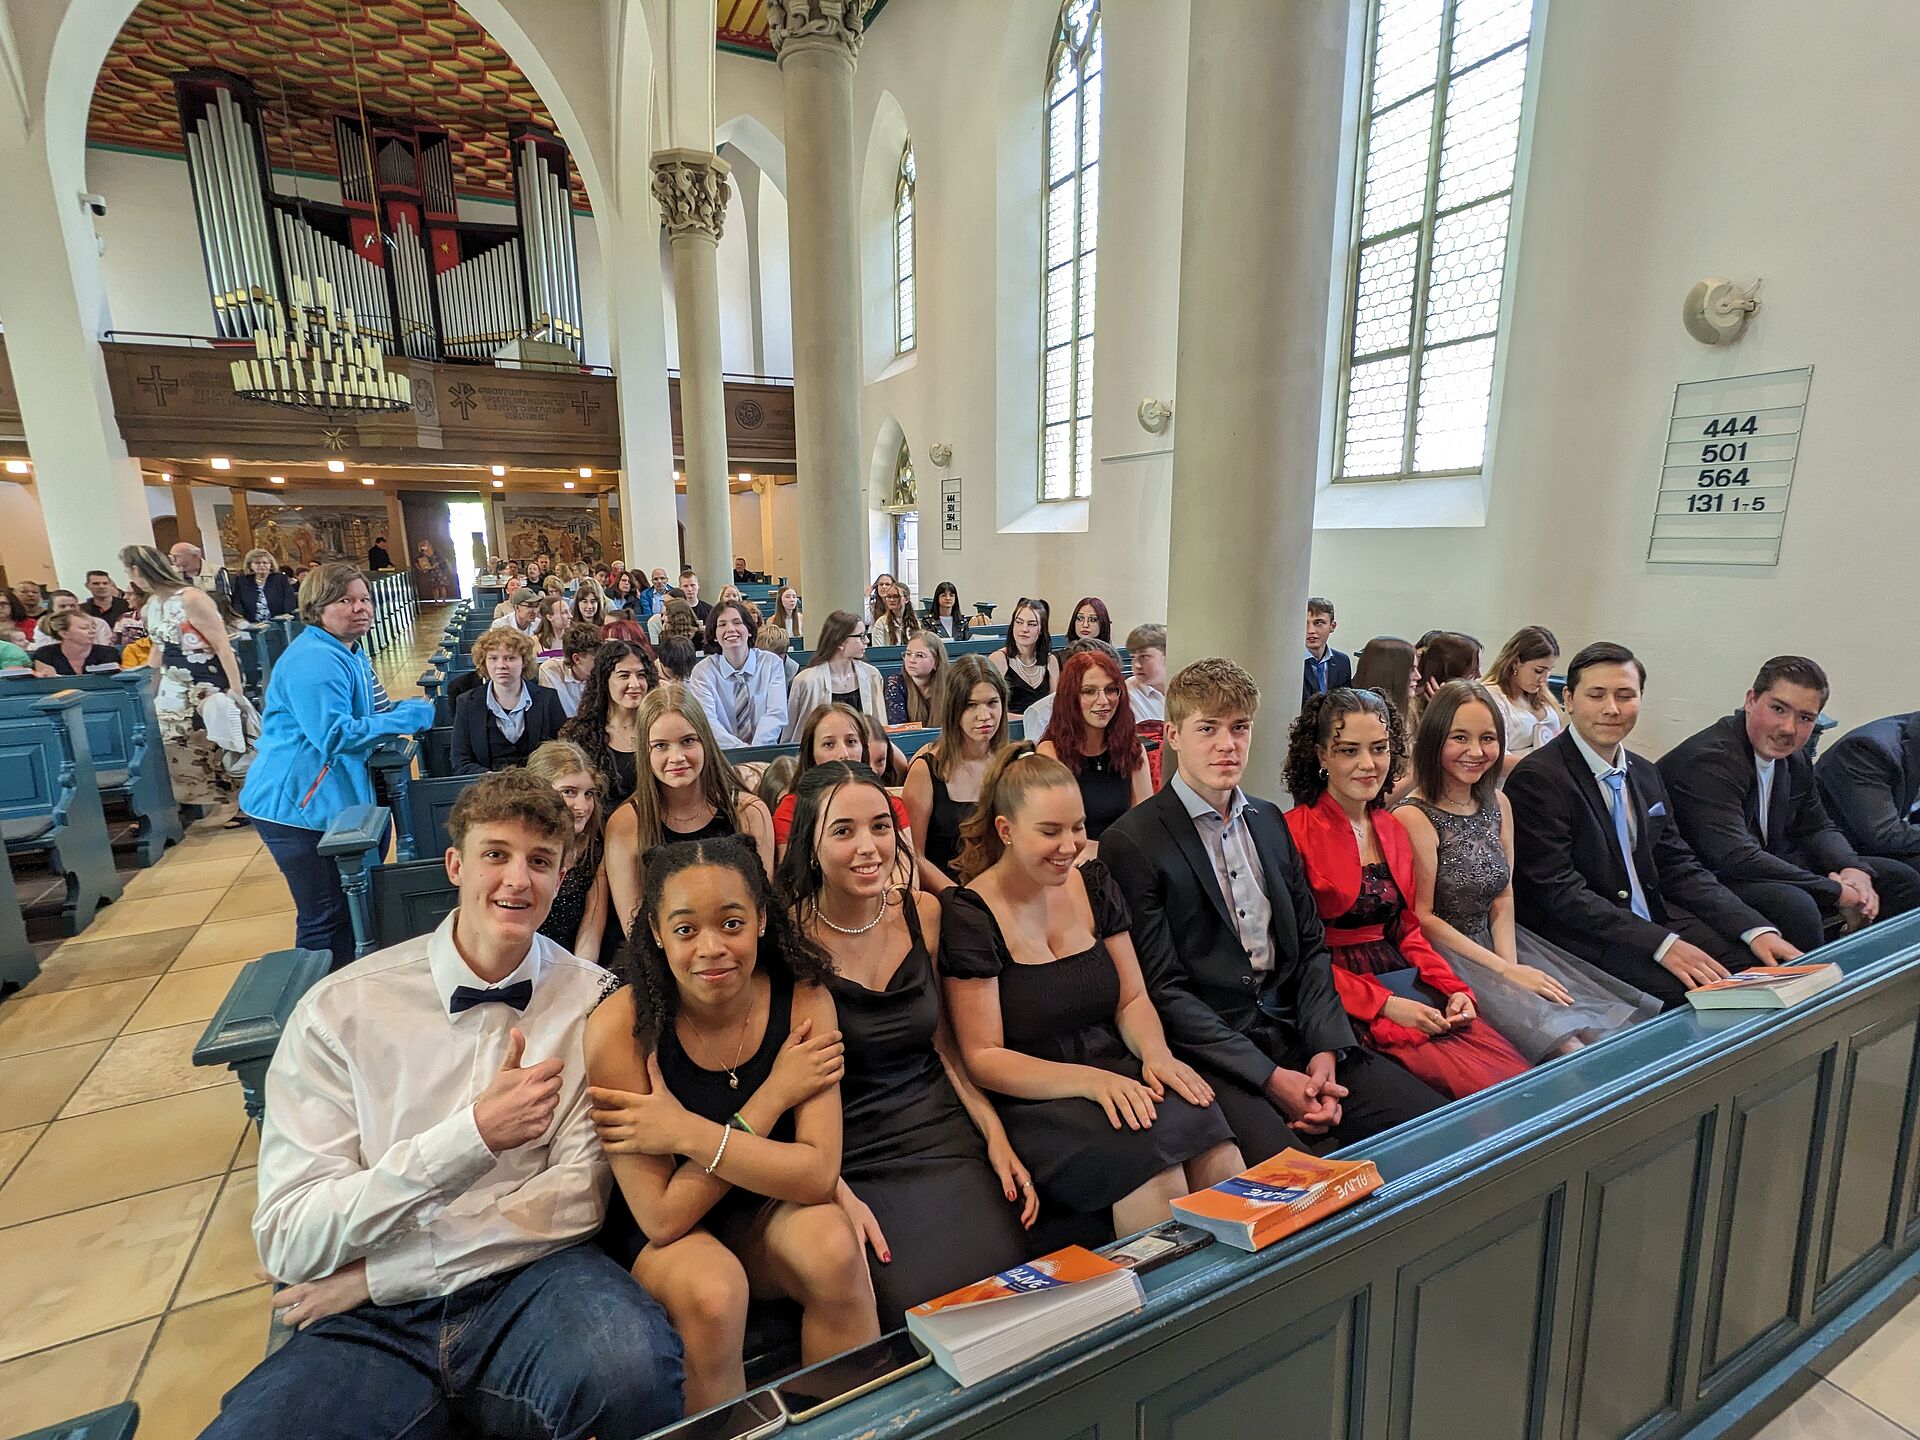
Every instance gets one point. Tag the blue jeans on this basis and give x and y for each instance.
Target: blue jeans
(566, 1349)
(321, 918)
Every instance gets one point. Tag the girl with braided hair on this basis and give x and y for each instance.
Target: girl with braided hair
(715, 1074)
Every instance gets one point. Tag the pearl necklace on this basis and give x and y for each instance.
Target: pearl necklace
(857, 929)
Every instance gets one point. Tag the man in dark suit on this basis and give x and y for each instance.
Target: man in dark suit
(1745, 799)
(1600, 867)
(1870, 779)
(1326, 668)
(1232, 947)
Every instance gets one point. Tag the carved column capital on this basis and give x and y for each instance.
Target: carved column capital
(816, 24)
(692, 188)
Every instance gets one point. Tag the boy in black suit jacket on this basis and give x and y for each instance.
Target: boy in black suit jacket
(1326, 668)
(1870, 779)
(1582, 805)
(1232, 947)
(1745, 797)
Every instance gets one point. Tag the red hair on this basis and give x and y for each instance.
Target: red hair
(1067, 729)
(630, 631)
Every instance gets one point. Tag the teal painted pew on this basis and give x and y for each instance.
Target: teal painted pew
(18, 964)
(1646, 1238)
(246, 1028)
(50, 800)
(123, 733)
(116, 1422)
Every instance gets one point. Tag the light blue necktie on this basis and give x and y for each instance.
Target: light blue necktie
(1616, 783)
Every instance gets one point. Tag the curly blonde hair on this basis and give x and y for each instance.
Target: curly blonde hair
(502, 637)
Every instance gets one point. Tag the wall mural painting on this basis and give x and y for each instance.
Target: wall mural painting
(302, 535)
(566, 533)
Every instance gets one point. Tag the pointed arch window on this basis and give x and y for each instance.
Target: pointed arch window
(1070, 226)
(903, 254)
(1433, 203)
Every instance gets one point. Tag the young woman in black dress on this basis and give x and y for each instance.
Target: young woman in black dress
(578, 919)
(927, 1175)
(1026, 660)
(714, 1079)
(944, 779)
(688, 790)
(1053, 1016)
(1091, 733)
(603, 727)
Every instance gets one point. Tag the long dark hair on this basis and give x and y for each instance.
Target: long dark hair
(643, 962)
(1043, 644)
(840, 624)
(1099, 608)
(1316, 727)
(949, 746)
(1436, 721)
(1386, 666)
(798, 874)
(588, 727)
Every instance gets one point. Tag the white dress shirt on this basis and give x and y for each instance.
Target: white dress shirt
(1601, 768)
(370, 1149)
(557, 676)
(765, 679)
(1763, 767)
(1148, 703)
(1036, 717)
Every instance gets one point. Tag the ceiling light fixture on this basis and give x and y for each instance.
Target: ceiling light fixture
(566, 484)
(338, 467)
(499, 469)
(276, 479)
(220, 462)
(18, 467)
(366, 480)
(586, 472)
(499, 484)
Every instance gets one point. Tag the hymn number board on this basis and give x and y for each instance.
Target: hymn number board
(950, 513)
(1728, 471)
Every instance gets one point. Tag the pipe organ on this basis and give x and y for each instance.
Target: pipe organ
(421, 281)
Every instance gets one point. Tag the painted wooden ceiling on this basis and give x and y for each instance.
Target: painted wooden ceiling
(420, 61)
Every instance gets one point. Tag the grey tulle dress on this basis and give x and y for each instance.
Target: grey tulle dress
(1472, 874)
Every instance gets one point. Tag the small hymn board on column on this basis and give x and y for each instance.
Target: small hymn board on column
(950, 513)
(1728, 471)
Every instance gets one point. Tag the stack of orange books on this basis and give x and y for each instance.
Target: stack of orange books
(1277, 1197)
(994, 1324)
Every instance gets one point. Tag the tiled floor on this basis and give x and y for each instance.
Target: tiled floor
(126, 1174)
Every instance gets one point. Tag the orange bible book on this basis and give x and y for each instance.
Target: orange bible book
(1277, 1197)
(993, 1324)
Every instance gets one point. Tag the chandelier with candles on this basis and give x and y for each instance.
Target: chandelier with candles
(313, 357)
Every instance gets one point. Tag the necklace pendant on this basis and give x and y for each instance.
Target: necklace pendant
(733, 1081)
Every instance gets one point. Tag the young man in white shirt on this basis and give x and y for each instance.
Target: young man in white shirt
(743, 690)
(567, 673)
(1147, 686)
(429, 1176)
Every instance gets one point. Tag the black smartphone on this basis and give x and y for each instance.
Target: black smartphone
(846, 1377)
(748, 1418)
(1164, 1243)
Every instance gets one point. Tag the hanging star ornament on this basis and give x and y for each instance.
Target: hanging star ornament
(334, 439)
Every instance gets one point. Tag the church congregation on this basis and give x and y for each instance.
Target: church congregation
(649, 745)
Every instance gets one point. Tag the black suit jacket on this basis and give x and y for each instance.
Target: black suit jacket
(478, 745)
(282, 599)
(1870, 780)
(1339, 673)
(1570, 884)
(1197, 971)
(1716, 798)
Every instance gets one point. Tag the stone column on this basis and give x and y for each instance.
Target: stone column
(1256, 250)
(817, 42)
(89, 488)
(692, 188)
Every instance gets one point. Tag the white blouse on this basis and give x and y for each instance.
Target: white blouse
(1526, 731)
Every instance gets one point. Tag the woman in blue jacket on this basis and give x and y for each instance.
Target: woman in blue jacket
(317, 726)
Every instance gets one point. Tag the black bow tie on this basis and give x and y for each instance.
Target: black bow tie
(465, 997)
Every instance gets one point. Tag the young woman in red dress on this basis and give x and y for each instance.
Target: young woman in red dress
(1344, 754)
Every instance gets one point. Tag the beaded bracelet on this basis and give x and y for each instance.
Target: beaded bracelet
(726, 1134)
